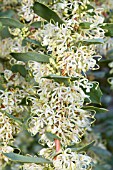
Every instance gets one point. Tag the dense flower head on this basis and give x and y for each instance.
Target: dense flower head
(66, 160)
(72, 160)
(58, 110)
(69, 59)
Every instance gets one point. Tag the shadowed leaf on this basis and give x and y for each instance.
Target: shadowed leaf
(46, 13)
(25, 57)
(26, 159)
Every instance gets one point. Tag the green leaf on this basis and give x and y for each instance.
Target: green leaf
(46, 13)
(25, 57)
(38, 24)
(51, 136)
(11, 22)
(14, 118)
(1, 87)
(9, 13)
(93, 41)
(95, 93)
(34, 42)
(59, 79)
(108, 27)
(84, 148)
(85, 25)
(88, 7)
(37, 148)
(97, 109)
(19, 68)
(26, 159)
(4, 33)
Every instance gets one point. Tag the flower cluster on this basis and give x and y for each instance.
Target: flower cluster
(66, 160)
(7, 130)
(53, 93)
(62, 105)
(71, 160)
(58, 110)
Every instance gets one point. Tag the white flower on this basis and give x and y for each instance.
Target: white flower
(26, 10)
(71, 160)
(58, 110)
(7, 129)
(66, 159)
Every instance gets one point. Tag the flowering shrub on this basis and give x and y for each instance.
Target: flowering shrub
(45, 54)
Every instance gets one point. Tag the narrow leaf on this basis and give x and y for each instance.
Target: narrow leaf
(37, 43)
(46, 13)
(26, 159)
(85, 25)
(97, 109)
(93, 41)
(108, 27)
(8, 13)
(25, 57)
(4, 33)
(14, 118)
(59, 79)
(95, 93)
(88, 7)
(11, 22)
(51, 136)
(38, 24)
(84, 148)
(1, 87)
(19, 68)
(54, 76)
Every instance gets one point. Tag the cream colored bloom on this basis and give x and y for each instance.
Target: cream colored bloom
(66, 160)
(7, 129)
(58, 111)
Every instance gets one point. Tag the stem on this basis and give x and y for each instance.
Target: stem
(57, 145)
